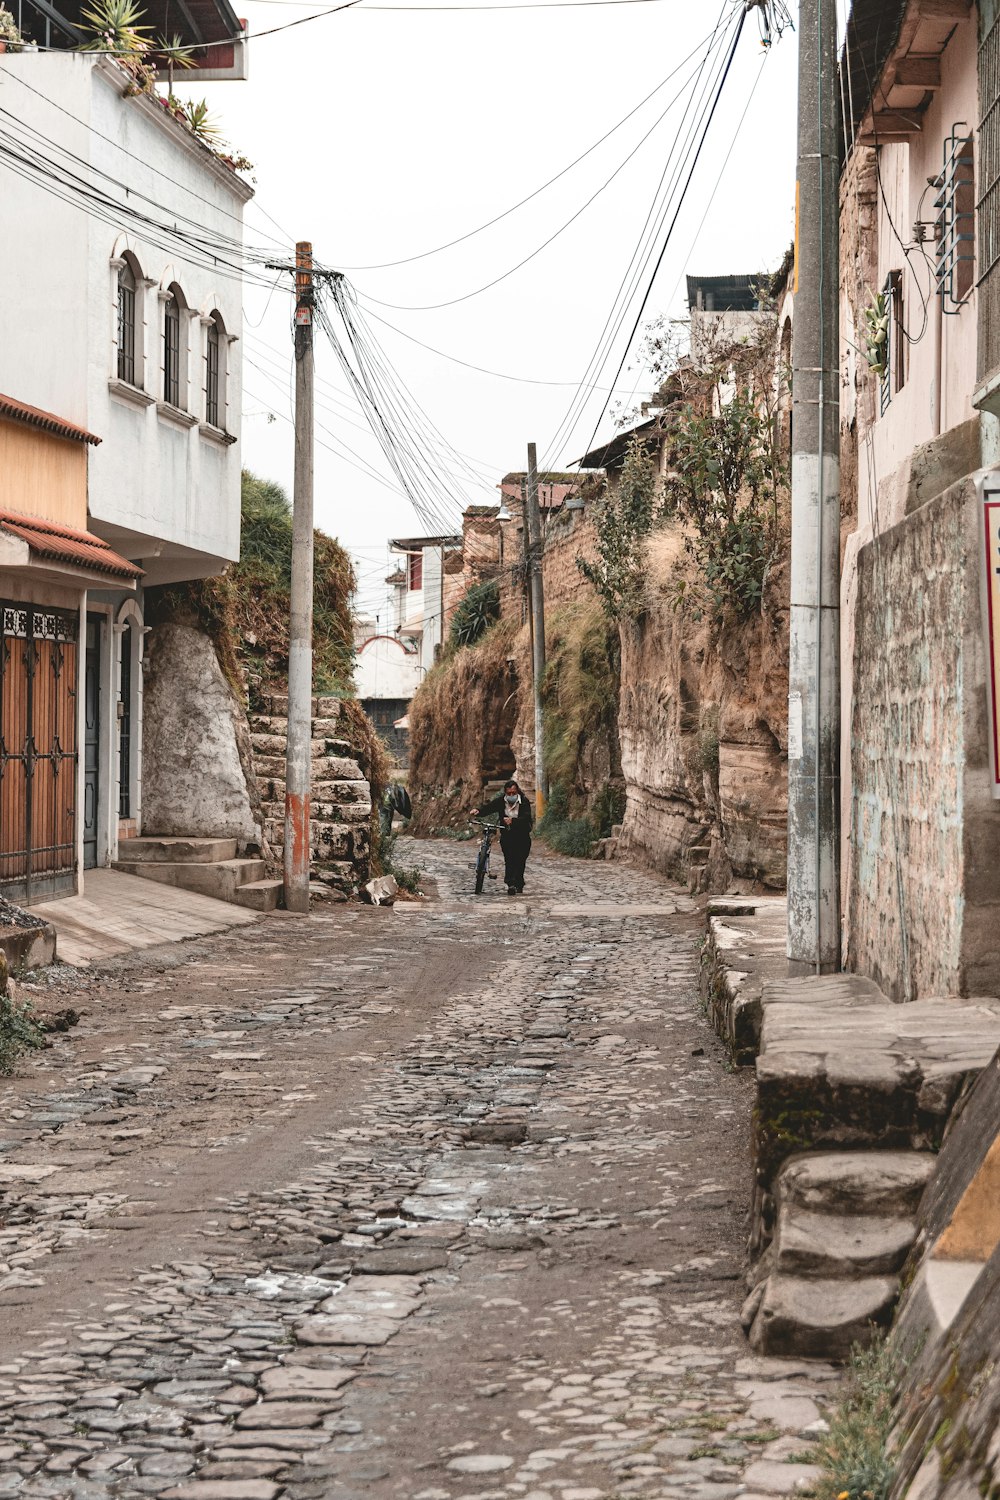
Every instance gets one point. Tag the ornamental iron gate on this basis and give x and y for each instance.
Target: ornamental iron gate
(38, 756)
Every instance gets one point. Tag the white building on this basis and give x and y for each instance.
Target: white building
(129, 331)
(426, 590)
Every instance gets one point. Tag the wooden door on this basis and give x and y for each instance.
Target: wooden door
(38, 754)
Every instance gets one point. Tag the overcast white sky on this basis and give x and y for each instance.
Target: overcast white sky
(379, 134)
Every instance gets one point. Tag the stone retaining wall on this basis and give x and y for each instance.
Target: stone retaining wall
(924, 828)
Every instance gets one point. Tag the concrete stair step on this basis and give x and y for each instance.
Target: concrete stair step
(268, 743)
(820, 1318)
(174, 850)
(261, 895)
(323, 768)
(887, 1184)
(218, 878)
(323, 791)
(322, 707)
(324, 812)
(823, 1246)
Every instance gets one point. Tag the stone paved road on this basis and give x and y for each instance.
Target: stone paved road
(435, 1203)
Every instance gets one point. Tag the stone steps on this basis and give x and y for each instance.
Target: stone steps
(340, 796)
(322, 768)
(276, 744)
(220, 879)
(176, 850)
(844, 1225)
(261, 895)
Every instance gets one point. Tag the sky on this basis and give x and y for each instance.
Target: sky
(379, 134)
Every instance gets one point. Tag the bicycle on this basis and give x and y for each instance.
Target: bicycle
(483, 871)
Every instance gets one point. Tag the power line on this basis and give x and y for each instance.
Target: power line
(466, 296)
(51, 178)
(228, 41)
(673, 222)
(711, 199)
(143, 161)
(480, 369)
(640, 255)
(498, 218)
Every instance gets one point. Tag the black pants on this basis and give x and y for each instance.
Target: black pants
(515, 857)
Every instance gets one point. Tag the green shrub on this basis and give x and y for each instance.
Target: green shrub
(608, 808)
(853, 1453)
(407, 877)
(580, 687)
(19, 1033)
(476, 612)
(566, 835)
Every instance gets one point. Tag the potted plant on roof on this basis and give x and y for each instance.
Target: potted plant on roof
(11, 39)
(113, 27)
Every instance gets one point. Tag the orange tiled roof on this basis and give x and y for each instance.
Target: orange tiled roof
(64, 544)
(33, 416)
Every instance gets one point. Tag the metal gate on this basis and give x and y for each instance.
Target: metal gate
(38, 756)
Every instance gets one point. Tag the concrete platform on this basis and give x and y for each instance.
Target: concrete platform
(745, 950)
(119, 913)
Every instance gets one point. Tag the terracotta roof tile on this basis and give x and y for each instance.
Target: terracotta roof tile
(67, 545)
(33, 416)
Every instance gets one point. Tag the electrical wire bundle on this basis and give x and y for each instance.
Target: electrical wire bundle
(55, 169)
(654, 238)
(432, 474)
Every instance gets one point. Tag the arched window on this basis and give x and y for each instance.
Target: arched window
(171, 349)
(213, 373)
(126, 324)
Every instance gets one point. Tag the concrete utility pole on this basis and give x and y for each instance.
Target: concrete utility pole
(537, 622)
(299, 752)
(814, 647)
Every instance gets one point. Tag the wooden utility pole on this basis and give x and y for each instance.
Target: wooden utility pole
(299, 751)
(814, 646)
(537, 601)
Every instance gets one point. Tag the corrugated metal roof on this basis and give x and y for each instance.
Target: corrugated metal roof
(64, 544)
(872, 31)
(33, 416)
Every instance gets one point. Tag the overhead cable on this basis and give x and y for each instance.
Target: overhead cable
(498, 218)
(478, 291)
(641, 254)
(673, 221)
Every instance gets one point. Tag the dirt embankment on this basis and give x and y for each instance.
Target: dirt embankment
(703, 726)
(461, 722)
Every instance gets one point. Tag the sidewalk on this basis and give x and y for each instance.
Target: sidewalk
(120, 913)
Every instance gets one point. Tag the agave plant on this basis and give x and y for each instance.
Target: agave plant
(202, 124)
(877, 333)
(114, 26)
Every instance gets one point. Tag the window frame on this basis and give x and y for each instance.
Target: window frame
(128, 368)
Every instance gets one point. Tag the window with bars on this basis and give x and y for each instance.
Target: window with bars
(126, 324)
(988, 204)
(895, 352)
(172, 351)
(212, 353)
(954, 227)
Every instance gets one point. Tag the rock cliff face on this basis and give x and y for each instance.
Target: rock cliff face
(703, 727)
(196, 778)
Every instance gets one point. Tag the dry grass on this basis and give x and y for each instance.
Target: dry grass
(463, 707)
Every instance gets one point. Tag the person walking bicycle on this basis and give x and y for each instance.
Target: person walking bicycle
(516, 819)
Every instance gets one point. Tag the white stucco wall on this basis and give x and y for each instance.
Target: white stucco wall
(165, 494)
(904, 168)
(386, 669)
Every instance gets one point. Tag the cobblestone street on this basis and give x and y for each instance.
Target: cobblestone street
(441, 1201)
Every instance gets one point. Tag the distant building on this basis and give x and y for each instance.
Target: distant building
(386, 677)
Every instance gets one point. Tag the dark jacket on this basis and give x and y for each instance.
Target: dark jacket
(520, 828)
